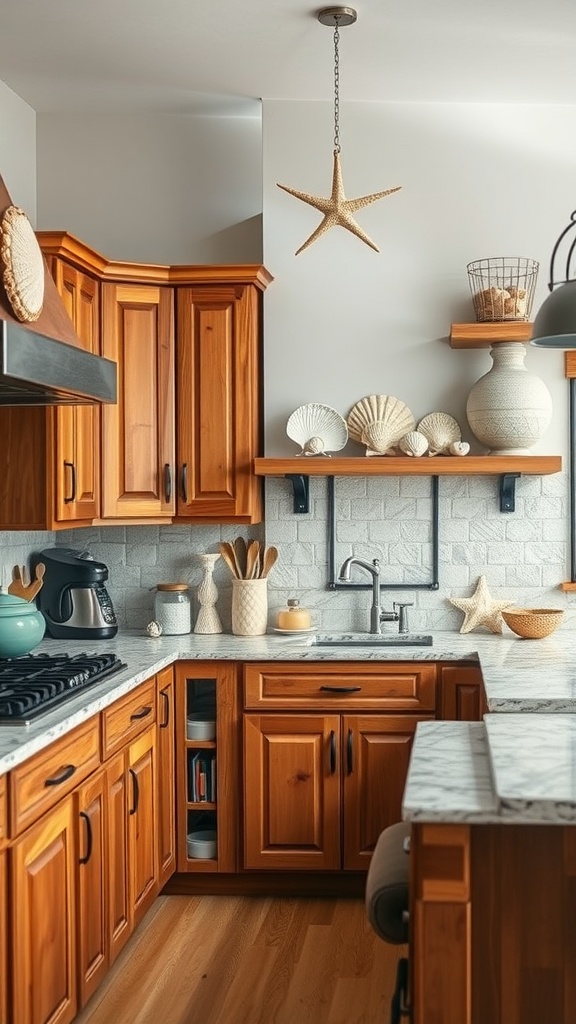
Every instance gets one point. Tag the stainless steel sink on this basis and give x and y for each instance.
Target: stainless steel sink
(371, 640)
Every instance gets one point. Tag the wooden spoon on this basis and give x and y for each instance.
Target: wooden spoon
(229, 555)
(253, 560)
(240, 549)
(269, 560)
(37, 584)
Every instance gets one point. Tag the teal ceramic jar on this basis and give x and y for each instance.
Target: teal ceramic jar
(22, 626)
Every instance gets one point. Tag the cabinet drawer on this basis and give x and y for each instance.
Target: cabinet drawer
(397, 686)
(46, 777)
(128, 717)
(3, 811)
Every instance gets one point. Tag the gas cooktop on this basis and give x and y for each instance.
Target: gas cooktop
(36, 683)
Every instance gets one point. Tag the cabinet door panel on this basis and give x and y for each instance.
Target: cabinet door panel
(375, 756)
(143, 834)
(3, 940)
(166, 778)
(77, 433)
(292, 787)
(91, 914)
(138, 432)
(218, 402)
(43, 947)
(119, 908)
(462, 694)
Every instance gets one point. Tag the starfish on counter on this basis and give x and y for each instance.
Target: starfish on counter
(337, 209)
(480, 609)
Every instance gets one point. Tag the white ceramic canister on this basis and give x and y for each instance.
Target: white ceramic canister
(172, 608)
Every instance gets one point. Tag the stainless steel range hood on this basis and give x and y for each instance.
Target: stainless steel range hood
(36, 370)
(44, 362)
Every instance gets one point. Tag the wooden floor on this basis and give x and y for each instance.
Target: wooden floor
(250, 960)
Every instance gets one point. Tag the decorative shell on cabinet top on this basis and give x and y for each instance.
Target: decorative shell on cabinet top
(318, 429)
(379, 421)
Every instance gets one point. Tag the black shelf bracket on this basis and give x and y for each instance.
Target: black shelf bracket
(508, 491)
(301, 488)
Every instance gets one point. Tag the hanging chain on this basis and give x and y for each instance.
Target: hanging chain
(336, 86)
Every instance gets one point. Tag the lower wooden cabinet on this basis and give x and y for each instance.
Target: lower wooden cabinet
(166, 777)
(119, 917)
(319, 789)
(462, 696)
(43, 944)
(3, 905)
(91, 883)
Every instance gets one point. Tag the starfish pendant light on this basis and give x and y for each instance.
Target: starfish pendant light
(336, 208)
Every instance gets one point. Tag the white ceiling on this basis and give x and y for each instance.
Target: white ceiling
(222, 56)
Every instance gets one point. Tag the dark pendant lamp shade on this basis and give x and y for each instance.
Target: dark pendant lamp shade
(555, 323)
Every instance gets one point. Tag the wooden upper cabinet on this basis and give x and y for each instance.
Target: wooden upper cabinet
(219, 405)
(138, 431)
(76, 440)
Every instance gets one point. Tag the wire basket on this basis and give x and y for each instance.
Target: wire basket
(503, 287)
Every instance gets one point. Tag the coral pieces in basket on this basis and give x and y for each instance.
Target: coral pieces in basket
(480, 609)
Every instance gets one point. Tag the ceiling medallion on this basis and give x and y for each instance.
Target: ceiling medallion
(337, 209)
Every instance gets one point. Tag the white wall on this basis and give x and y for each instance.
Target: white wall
(158, 189)
(18, 150)
(343, 321)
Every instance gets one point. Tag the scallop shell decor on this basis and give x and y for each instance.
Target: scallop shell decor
(413, 443)
(379, 421)
(441, 430)
(22, 265)
(318, 429)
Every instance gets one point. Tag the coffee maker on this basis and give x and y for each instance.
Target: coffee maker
(73, 598)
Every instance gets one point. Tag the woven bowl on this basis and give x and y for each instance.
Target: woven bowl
(533, 623)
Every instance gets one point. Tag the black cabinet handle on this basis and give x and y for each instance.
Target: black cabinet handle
(332, 752)
(167, 482)
(72, 468)
(400, 1006)
(166, 698)
(84, 860)
(184, 483)
(67, 773)
(140, 714)
(349, 757)
(136, 787)
(341, 689)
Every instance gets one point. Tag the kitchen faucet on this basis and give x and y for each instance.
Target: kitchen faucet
(377, 616)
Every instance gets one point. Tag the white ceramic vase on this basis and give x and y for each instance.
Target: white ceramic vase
(509, 408)
(249, 607)
(208, 620)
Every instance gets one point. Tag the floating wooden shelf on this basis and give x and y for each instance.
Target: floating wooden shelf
(438, 465)
(299, 469)
(482, 335)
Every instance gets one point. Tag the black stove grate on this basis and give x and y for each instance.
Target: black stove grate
(36, 683)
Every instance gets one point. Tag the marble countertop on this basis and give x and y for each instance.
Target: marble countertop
(519, 675)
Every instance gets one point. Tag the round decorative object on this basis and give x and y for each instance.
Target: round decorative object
(22, 626)
(154, 629)
(458, 448)
(533, 623)
(440, 430)
(379, 421)
(318, 429)
(22, 265)
(509, 409)
(413, 443)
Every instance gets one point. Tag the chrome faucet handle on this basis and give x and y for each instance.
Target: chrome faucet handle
(402, 607)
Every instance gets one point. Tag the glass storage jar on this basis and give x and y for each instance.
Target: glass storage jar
(172, 608)
(293, 617)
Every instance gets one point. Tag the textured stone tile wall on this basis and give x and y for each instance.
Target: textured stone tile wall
(524, 555)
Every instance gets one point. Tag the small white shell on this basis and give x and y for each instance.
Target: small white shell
(413, 443)
(441, 430)
(154, 629)
(459, 448)
(318, 429)
(379, 418)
